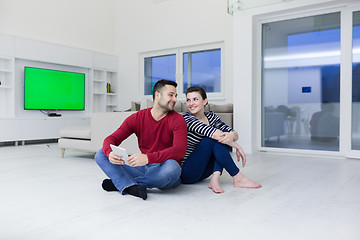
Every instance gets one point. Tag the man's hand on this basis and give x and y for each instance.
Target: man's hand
(115, 159)
(138, 159)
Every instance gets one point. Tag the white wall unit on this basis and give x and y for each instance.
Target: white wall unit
(105, 61)
(48, 128)
(7, 87)
(10, 130)
(22, 129)
(99, 90)
(104, 90)
(7, 46)
(17, 124)
(111, 93)
(35, 50)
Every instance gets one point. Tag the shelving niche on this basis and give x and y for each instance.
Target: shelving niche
(7, 92)
(104, 90)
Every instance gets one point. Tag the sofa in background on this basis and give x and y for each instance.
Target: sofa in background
(224, 111)
(90, 139)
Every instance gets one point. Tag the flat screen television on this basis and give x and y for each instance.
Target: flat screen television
(47, 89)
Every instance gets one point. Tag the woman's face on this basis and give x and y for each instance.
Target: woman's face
(195, 103)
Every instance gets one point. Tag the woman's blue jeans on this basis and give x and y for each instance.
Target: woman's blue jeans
(164, 175)
(209, 156)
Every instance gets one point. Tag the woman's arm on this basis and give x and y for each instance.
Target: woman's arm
(195, 126)
(228, 137)
(217, 135)
(239, 153)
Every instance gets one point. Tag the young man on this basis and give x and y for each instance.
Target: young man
(161, 134)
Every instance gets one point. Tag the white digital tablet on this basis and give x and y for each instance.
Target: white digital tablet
(121, 152)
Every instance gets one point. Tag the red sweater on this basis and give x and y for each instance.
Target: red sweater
(159, 140)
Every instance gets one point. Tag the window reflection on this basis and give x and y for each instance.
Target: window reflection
(157, 68)
(355, 125)
(301, 83)
(203, 69)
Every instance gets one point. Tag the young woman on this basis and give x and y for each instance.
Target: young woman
(209, 141)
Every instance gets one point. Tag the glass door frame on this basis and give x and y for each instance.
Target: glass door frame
(347, 61)
(346, 24)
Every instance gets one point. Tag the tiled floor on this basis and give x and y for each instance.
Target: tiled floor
(46, 197)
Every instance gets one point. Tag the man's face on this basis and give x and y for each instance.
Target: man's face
(167, 97)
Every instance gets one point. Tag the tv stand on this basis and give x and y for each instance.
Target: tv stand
(54, 114)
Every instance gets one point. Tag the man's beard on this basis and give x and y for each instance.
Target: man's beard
(167, 106)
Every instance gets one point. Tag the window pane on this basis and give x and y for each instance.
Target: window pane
(301, 83)
(355, 136)
(203, 69)
(157, 68)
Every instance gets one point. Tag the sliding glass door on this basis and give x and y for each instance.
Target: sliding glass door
(355, 104)
(300, 86)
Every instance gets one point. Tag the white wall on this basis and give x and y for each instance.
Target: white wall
(125, 28)
(84, 24)
(145, 26)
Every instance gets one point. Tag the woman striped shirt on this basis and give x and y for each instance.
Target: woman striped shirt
(197, 130)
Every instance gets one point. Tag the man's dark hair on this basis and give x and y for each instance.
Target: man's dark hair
(160, 84)
(200, 90)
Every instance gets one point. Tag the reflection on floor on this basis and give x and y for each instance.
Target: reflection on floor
(303, 142)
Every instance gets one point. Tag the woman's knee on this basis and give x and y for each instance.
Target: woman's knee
(222, 146)
(207, 140)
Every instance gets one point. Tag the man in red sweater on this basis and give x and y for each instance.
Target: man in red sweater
(161, 134)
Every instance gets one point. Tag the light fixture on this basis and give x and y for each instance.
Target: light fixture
(239, 5)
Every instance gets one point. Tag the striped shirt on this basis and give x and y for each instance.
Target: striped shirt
(197, 130)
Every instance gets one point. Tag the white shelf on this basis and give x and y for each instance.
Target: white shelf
(7, 83)
(104, 101)
(98, 80)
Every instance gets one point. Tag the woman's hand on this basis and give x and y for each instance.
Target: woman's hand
(240, 154)
(227, 138)
(217, 135)
(115, 159)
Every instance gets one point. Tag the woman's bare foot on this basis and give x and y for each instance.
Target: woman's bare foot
(214, 183)
(243, 182)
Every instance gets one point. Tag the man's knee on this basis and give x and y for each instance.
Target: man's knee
(170, 174)
(100, 157)
(171, 168)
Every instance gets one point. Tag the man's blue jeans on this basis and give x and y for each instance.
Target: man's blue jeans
(164, 175)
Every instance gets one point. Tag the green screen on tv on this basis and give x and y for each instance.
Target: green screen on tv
(46, 89)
